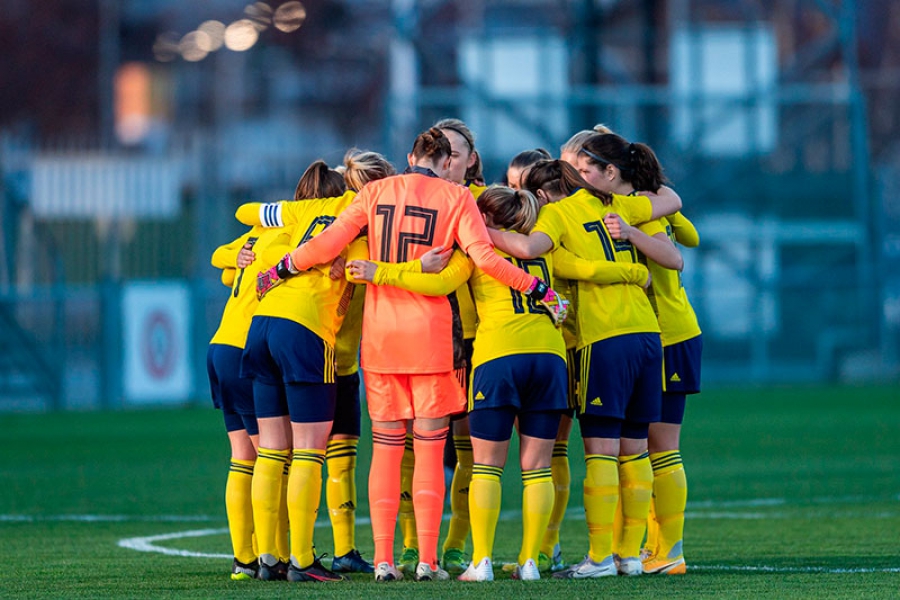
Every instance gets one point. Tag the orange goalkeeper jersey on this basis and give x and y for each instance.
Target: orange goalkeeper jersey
(406, 215)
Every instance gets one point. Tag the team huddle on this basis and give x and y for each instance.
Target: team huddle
(472, 311)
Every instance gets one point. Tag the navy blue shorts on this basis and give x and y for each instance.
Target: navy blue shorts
(525, 382)
(304, 402)
(608, 427)
(673, 406)
(621, 378)
(496, 424)
(572, 371)
(682, 366)
(283, 351)
(236, 422)
(230, 393)
(347, 413)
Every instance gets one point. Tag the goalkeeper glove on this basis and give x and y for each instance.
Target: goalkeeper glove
(556, 305)
(268, 279)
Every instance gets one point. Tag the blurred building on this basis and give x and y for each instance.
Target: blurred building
(129, 132)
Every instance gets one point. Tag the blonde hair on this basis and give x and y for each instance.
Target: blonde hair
(574, 143)
(362, 166)
(508, 208)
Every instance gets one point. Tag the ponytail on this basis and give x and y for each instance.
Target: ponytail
(636, 162)
(319, 181)
(516, 210)
(648, 172)
(557, 177)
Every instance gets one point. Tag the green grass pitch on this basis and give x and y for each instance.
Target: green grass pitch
(793, 493)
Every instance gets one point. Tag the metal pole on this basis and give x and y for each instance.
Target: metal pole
(870, 291)
(108, 25)
(402, 109)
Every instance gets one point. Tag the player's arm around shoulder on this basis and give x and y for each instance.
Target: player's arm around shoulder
(568, 265)
(410, 277)
(237, 253)
(262, 214)
(684, 230)
(657, 247)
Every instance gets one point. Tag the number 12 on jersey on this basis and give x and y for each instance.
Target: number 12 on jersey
(534, 266)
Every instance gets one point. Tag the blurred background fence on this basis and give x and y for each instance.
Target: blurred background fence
(130, 131)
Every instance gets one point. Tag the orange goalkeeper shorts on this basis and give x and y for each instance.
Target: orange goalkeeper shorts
(400, 397)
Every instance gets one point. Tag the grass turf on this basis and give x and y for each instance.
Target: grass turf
(794, 493)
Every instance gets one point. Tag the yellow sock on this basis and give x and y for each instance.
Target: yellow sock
(636, 488)
(458, 530)
(537, 506)
(266, 493)
(304, 491)
(562, 482)
(239, 508)
(618, 522)
(652, 542)
(670, 492)
(407, 516)
(484, 509)
(284, 526)
(601, 495)
(340, 493)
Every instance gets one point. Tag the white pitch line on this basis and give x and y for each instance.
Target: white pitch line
(768, 569)
(145, 544)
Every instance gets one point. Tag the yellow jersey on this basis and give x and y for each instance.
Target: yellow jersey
(242, 301)
(568, 269)
(510, 322)
(346, 347)
(677, 319)
(312, 298)
(576, 223)
(467, 312)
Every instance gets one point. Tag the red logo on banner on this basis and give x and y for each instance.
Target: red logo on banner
(158, 344)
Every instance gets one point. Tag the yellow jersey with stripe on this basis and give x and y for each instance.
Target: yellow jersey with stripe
(576, 223)
(242, 301)
(677, 319)
(346, 347)
(311, 298)
(568, 269)
(510, 322)
(467, 312)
